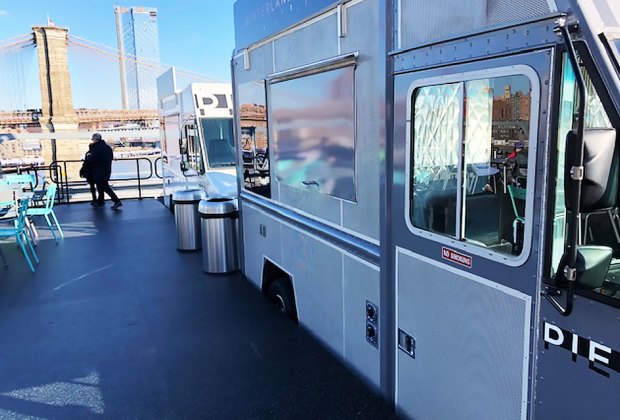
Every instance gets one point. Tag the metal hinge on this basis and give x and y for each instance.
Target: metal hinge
(576, 173)
(570, 273)
(570, 22)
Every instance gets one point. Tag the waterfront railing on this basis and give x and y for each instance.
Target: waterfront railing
(132, 178)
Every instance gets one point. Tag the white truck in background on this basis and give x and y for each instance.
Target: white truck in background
(197, 144)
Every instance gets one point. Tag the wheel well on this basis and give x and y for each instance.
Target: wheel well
(272, 272)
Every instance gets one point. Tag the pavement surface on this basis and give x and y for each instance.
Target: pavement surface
(115, 323)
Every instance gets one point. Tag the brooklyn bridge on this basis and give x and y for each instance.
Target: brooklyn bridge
(60, 130)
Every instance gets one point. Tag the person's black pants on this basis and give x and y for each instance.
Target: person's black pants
(93, 191)
(104, 187)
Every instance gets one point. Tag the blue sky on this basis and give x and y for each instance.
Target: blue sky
(196, 35)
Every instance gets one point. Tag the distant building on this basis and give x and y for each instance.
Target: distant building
(512, 107)
(511, 116)
(138, 43)
(17, 149)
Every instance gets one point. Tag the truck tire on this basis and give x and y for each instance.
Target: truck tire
(281, 294)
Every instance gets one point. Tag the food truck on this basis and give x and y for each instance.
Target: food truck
(438, 203)
(196, 137)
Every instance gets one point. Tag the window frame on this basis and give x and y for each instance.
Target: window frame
(463, 77)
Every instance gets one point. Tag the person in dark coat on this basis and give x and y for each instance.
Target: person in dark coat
(87, 172)
(100, 157)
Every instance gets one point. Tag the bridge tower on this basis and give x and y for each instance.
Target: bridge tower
(56, 100)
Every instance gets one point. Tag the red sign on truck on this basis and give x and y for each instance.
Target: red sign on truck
(455, 257)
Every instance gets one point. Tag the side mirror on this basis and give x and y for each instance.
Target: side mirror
(592, 265)
(183, 166)
(600, 170)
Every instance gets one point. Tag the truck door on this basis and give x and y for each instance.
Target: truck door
(467, 188)
(578, 373)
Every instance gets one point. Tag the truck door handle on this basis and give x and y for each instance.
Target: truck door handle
(406, 343)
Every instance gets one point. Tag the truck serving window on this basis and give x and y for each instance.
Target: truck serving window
(600, 227)
(313, 127)
(218, 134)
(469, 177)
(254, 137)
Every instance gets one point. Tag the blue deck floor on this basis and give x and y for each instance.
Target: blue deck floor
(116, 324)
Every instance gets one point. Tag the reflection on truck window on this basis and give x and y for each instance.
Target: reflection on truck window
(600, 227)
(254, 140)
(476, 133)
(313, 128)
(218, 135)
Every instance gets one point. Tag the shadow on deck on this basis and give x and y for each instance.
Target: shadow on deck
(116, 323)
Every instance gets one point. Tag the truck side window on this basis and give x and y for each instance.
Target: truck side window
(470, 156)
(312, 123)
(190, 148)
(597, 228)
(254, 140)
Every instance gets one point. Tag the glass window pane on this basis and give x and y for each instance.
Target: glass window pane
(254, 142)
(313, 126)
(496, 135)
(190, 148)
(219, 141)
(436, 135)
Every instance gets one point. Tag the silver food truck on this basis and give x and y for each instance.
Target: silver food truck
(196, 137)
(437, 194)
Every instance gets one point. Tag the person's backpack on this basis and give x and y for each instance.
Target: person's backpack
(83, 170)
(86, 170)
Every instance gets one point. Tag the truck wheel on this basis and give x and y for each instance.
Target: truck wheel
(281, 294)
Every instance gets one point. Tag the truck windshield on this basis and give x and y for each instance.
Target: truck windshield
(218, 135)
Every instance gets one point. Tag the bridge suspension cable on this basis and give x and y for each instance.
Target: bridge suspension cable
(17, 73)
(16, 43)
(113, 54)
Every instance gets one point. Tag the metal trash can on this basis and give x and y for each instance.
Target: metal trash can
(187, 219)
(218, 223)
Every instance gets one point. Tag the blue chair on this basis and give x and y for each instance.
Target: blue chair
(19, 232)
(20, 179)
(50, 195)
(517, 193)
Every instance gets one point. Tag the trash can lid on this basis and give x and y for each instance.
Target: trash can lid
(193, 195)
(217, 205)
